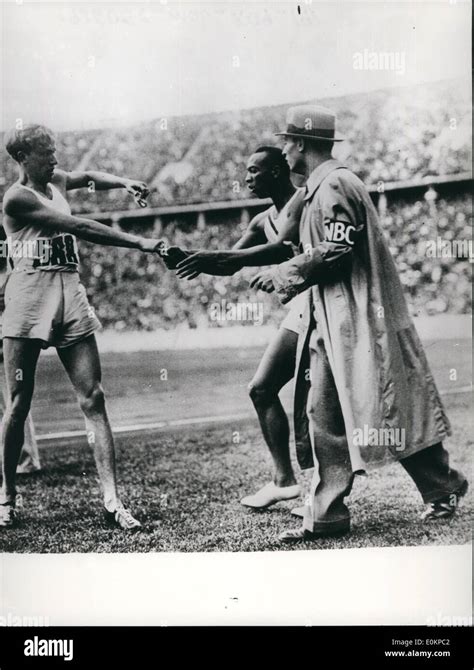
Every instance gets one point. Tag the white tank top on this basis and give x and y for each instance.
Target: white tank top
(274, 220)
(38, 248)
(271, 226)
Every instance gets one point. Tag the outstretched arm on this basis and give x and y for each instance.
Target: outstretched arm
(217, 262)
(30, 209)
(229, 262)
(102, 181)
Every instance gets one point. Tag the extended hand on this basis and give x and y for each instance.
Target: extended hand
(150, 245)
(193, 265)
(263, 281)
(213, 262)
(139, 190)
(171, 256)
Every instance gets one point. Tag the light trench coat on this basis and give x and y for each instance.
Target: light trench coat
(356, 303)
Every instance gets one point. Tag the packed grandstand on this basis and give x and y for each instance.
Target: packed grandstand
(405, 135)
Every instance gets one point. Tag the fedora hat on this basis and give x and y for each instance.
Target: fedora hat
(312, 122)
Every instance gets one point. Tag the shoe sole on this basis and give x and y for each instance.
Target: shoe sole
(296, 512)
(269, 504)
(312, 537)
(260, 508)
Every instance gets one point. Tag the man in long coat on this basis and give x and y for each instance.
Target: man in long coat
(362, 377)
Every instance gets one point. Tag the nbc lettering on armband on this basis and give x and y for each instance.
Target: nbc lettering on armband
(340, 232)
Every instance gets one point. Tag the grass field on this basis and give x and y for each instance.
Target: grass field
(185, 484)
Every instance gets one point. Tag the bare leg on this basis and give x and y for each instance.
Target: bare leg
(29, 457)
(20, 357)
(82, 364)
(275, 370)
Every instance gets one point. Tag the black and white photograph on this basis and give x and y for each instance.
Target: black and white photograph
(235, 305)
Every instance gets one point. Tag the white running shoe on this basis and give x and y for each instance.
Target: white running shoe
(271, 494)
(122, 518)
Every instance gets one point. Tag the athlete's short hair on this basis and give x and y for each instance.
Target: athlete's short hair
(26, 138)
(276, 157)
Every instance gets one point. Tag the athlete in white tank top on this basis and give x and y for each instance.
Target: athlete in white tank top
(270, 224)
(265, 242)
(35, 247)
(275, 220)
(46, 305)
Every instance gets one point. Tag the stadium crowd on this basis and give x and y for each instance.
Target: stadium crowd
(136, 292)
(392, 135)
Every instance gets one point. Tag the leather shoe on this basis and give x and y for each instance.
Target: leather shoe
(302, 535)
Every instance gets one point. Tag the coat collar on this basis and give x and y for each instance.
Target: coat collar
(320, 173)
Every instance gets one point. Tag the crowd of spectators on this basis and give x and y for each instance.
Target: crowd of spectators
(435, 273)
(132, 291)
(393, 135)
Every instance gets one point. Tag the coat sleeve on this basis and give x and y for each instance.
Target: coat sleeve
(343, 217)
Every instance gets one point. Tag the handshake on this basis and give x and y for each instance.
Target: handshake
(191, 263)
(188, 263)
(171, 256)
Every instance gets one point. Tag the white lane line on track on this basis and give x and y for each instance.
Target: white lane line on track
(158, 425)
(144, 427)
(461, 389)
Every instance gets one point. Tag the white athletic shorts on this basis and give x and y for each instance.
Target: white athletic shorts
(51, 306)
(294, 319)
